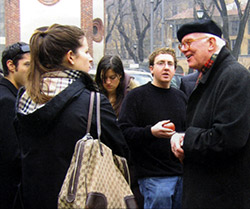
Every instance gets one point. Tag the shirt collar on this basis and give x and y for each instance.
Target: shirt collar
(208, 64)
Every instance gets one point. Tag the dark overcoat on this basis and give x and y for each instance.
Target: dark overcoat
(217, 143)
(10, 163)
(188, 83)
(48, 136)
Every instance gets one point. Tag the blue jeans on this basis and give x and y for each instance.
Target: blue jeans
(161, 192)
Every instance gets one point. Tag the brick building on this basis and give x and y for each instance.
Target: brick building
(19, 18)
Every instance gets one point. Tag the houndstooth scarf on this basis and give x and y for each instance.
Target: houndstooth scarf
(52, 84)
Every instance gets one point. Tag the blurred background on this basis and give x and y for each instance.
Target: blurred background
(129, 28)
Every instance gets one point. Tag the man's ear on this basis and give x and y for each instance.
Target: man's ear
(11, 66)
(151, 68)
(70, 57)
(212, 43)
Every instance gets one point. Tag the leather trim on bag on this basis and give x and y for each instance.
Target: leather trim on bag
(126, 171)
(121, 164)
(130, 202)
(96, 200)
(71, 194)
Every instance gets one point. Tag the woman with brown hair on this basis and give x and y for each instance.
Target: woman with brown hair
(52, 112)
(113, 81)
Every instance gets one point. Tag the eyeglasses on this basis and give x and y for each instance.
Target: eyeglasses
(164, 64)
(186, 44)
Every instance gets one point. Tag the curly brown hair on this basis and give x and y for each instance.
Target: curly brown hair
(164, 50)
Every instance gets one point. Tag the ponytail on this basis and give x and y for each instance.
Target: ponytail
(47, 50)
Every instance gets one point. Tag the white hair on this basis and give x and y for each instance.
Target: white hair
(219, 41)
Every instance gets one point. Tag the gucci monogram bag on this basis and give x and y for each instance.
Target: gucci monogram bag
(96, 178)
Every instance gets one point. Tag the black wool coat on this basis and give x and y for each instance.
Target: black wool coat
(48, 136)
(217, 140)
(10, 163)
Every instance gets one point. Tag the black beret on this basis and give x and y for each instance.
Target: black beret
(201, 26)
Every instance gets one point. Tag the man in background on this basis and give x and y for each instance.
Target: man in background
(15, 62)
(189, 82)
(145, 112)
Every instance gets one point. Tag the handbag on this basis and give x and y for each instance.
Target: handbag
(96, 178)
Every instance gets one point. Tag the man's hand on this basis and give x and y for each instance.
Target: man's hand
(160, 132)
(176, 145)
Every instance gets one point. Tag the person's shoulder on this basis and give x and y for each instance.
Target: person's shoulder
(7, 89)
(86, 94)
(137, 92)
(132, 84)
(235, 71)
(7, 98)
(140, 89)
(179, 93)
(191, 76)
(4, 81)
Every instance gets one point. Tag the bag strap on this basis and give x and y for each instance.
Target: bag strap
(91, 105)
(98, 116)
(80, 146)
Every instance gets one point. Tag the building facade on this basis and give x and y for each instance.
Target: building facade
(19, 19)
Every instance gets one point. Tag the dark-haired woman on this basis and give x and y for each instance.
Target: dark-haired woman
(52, 112)
(113, 81)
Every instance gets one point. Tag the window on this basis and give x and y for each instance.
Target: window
(249, 26)
(177, 51)
(248, 51)
(234, 27)
(175, 28)
(174, 10)
(233, 43)
(98, 30)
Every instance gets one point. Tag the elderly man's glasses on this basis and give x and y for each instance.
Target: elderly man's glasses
(185, 45)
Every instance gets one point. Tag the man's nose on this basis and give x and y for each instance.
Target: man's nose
(166, 66)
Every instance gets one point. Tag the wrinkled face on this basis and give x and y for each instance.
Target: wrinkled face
(163, 70)
(82, 60)
(21, 71)
(110, 81)
(195, 47)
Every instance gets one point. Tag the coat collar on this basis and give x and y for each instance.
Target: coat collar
(5, 82)
(44, 116)
(224, 53)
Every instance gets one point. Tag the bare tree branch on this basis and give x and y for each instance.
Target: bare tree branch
(239, 8)
(221, 6)
(242, 26)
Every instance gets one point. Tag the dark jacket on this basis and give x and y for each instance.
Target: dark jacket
(48, 137)
(10, 164)
(217, 142)
(188, 83)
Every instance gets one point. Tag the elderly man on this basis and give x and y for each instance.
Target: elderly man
(215, 149)
(15, 61)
